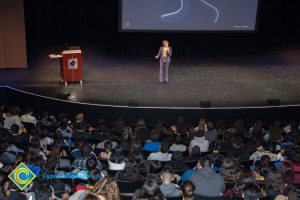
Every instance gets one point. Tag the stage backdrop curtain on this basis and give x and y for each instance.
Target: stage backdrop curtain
(12, 34)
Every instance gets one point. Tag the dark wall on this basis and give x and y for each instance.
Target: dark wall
(151, 115)
(3, 96)
(86, 22)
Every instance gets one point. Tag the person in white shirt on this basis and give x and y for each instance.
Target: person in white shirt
(177, 146)
(264, 150)
(13, 118)
(27, 117)
(200, 141)
(117, 160)
(163, 154)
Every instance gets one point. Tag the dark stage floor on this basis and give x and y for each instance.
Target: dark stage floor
(226, 81)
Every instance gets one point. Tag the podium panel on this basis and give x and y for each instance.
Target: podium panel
(71, 66)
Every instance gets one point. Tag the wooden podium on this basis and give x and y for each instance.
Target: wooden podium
(71, 66)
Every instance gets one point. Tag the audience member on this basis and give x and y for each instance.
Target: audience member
(107, 187)
(239, 150)
(177, 162)
(104, 155)
(107, 136)
(154, 144)
(18, 136)
(149, 190)
(263, 166)
(188, 190)
(130, 173)
(211, 134)
(229, 170)
(200, 141)
(117, 159)
(263, 150)
(206, 180)
(194, 155)
(275, 183)
(28, 116)
(216, 157)
(163, 154)
(168, 188)
(13, 117)
(177, 146)
(189, 173)
(80, 163)
(51, 145)
(251, 192)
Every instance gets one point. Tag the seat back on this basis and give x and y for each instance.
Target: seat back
(237, 198)
(229, 185)
(29, 126)
(191, 164)
(78, 181)
(126, 196)
(128, 186)
(247, 164)
(200, 197)
(266, 198)
(174, 198)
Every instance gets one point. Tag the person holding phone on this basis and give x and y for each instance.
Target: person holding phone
(164, 54)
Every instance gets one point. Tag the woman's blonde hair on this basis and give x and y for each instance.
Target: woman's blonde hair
(107, 187)
(165, 41)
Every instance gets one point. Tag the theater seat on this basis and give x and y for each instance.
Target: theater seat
(128, 186)
(174, 198)
(200, 197)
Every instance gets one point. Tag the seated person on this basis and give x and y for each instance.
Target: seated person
(10, 151)
(107, 136)
(117, 159)
(152, 168)
(154, 144)
(91, 164)
(211, 134)
(251, 192)
(64, 130)
(240, 150)
(168, 188)
(104, 155)
(206, 180)
(94, 176)
(189, 173)
(177, 162)
(28, 116)
(80, 163)
(150, 190)
(17, 135)
(76, 153)
(200, 141)
(163, 154)
(264, 150)
(194, 155)
(177, 146)
(216, 156)
(106, 188)
(12, 117)
(188, 190)
(229, 170)
(131, 172)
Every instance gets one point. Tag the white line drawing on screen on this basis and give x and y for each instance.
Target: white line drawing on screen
(175, 12)
(213, 7)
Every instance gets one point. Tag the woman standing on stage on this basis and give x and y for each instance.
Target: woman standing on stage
(164, 53)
